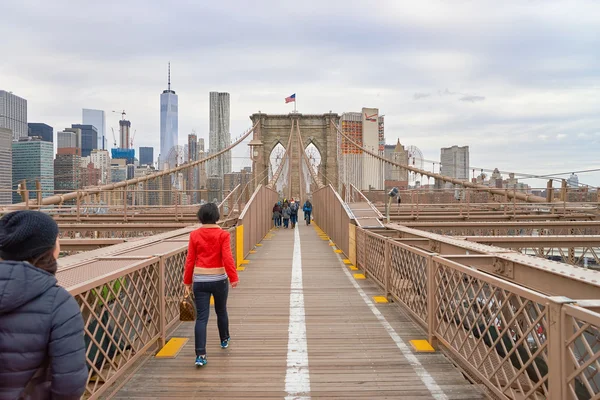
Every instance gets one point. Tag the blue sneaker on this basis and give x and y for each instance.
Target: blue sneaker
(225, 343)
(201, 361)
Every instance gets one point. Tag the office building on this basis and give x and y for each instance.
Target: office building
(455, 163)
(168, 122)
(67, 164)
(6, 138)
(32, 160)
(90, 175)
(232, 179)
(97, 119)
(70, 140)
(46, 132)
(118, 170)
(101, 160)
(219, 135)
(146, 156)
(13, 114)
(193, 174)
(366, 129)
(89, 138)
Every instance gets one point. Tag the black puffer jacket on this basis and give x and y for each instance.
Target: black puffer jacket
(39, 321)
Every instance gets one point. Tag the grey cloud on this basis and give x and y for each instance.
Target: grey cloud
(472, 99)
(419, 96)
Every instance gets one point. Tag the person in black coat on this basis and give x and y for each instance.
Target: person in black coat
(42, 348)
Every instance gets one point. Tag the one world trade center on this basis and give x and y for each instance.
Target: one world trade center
(168, 126)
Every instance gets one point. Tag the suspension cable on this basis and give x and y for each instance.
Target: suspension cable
(510, 194)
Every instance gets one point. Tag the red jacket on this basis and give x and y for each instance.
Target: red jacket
(209, 248)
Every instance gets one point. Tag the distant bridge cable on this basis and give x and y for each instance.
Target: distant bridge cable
(509, 193)
(58, 199)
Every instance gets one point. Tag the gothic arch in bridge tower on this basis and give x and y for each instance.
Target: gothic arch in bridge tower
(276, 157)
(315, 129)
(314, 160)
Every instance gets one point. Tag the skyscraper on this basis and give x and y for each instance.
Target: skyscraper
(219, 134)
(46, 132)
(193, 173)
(32, 159)
(97, 119)
(67, 164)
(89, 138)
(101, 160)
(6, 137)
(455, 162)
(13, 114)
(69, 141)
(124, 133)
(366, 129)
(168, 122)
(146, 155)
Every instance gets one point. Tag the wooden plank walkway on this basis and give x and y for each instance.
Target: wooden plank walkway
(351, 353)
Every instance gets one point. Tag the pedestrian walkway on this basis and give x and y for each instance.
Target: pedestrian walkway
(303, 327)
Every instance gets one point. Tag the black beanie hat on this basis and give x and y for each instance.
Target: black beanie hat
(26, 234)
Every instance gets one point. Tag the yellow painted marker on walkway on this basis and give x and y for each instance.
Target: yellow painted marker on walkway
(240, 268)
(245, 262)
(422, 346)
(252, 251)
(353, 268)
(380, 299)
(337, 251)
(360, 276)
(347, 262)
(172, 348)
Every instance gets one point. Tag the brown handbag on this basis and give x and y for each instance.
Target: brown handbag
(187, 308)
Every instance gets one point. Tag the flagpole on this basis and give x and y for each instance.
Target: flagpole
(295, 100)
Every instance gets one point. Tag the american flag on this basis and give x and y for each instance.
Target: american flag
(290, 99)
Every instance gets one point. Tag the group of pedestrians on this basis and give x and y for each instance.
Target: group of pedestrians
(286, 213)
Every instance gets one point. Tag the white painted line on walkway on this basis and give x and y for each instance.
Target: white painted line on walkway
(414, 362)
(297, 379)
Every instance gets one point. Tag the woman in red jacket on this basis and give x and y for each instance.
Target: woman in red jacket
(208, 266)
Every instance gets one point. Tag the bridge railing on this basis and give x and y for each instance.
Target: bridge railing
(255, 220)
(519, 342)
(129, 298)
(333, 216)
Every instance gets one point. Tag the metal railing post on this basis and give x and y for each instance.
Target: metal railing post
(176, 205)
(162, 282)
(468, 195)
(387, 267)
(78, 206)
(557, 386)
(125, 203)
(38, 189)
(431, 302)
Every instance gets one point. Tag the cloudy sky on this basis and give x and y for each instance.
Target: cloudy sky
(517, 81)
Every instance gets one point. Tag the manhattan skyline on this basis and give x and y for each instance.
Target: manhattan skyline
(520, 86)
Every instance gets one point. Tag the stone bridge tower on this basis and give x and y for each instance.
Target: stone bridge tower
(274, 129)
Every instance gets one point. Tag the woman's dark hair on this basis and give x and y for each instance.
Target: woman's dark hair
(208, 214)
(45, 261)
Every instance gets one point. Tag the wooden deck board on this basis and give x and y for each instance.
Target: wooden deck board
(350, 353)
